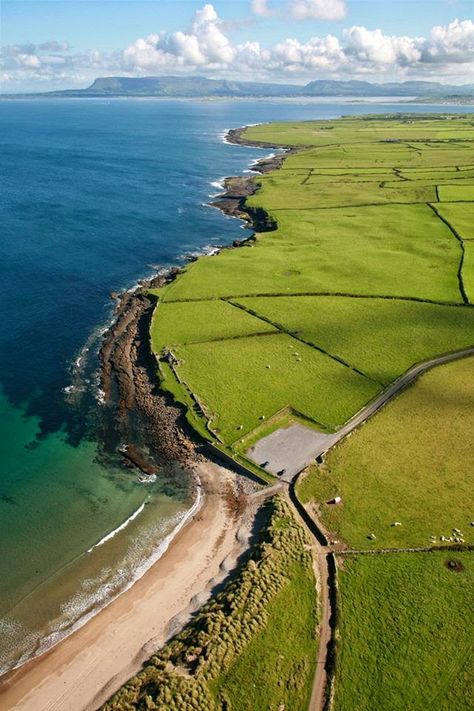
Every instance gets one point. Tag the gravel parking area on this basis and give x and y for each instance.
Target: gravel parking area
(289, 448)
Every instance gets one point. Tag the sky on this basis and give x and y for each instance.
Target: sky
(53, 44)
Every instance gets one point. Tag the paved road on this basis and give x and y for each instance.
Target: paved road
(316, 444)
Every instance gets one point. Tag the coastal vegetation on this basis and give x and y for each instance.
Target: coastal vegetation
(409, 464)
(405, 634)
(253, 646)
(367, 269)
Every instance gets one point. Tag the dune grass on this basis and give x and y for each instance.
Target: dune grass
(277, 666)
(410, 463)
(405, 633)
(380, 337)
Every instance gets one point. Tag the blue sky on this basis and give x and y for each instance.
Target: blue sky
(55, 43)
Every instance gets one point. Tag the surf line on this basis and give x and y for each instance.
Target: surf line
(119, 528)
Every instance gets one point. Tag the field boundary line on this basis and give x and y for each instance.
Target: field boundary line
(287, 332)
(461, 242)
(455, 547)
(340, 294)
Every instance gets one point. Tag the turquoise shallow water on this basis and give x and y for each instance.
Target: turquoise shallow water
(95, 195)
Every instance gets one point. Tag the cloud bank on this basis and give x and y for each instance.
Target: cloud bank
(206, 48)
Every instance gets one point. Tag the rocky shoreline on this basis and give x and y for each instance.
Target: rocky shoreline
(130, 387)
(143, 419)
(237, 189)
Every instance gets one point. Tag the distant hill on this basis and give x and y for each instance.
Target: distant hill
(172, 86)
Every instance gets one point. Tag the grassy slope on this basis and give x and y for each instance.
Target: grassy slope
(410, 463)
(260, 630)
(406, 640)
(381, 337)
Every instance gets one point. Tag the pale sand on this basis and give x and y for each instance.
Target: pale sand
(83, 670)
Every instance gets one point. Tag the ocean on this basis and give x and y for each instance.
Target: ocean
(95, 195)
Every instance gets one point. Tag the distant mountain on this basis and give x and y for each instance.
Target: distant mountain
(171, 86)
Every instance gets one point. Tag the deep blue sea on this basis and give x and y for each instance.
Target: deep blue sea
(95, 194)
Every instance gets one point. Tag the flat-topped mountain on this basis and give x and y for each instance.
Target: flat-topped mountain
(175, 86)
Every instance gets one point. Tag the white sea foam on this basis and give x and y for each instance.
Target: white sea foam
(98, 592)
(123, 525)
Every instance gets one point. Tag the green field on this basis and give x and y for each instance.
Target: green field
(448, 193)
(357, 214)
(411, 463)
(252, 378)
(406, 128)
(406, 634)
(253, 646)
(394, 250)
(380, 337)
(202, 321)
(460, 216)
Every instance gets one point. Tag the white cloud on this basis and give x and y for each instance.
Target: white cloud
(451, 43)
(377, 49)
(206, 47)
(260, 7)
(319, 9)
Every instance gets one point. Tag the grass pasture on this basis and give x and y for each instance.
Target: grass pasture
(408, 127)
(405, 633)
(234, 381)
(380, 337)
(284, 191)
(412, 463)
(460, 216)
(454, 193)
(201, 321)
(393, 250)
(354, 219)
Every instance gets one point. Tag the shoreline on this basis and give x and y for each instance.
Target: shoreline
(97, 658)
(128, 389)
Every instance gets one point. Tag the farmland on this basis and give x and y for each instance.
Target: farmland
(405, 637)
(411, 463)
(368, 271)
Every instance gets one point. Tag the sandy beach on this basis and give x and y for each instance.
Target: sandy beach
(83, 670)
